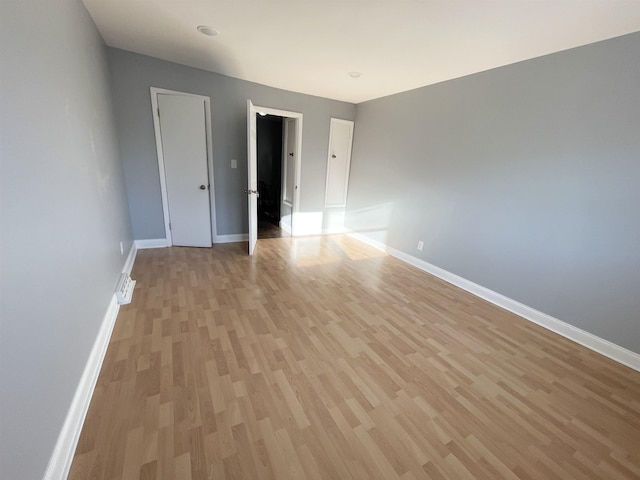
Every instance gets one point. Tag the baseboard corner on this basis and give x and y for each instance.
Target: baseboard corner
(285, 226)
(150, 243)
(232, 238)
(131, 259)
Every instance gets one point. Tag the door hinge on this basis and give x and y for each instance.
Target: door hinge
(158, 112)
(169, 225)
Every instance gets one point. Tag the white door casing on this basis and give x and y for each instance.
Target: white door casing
(183, 142)
(252, 165)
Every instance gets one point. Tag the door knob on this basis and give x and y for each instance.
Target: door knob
(291, 154)
(333, 156)
(203, 187)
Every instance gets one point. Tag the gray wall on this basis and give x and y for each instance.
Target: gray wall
(62, 215)
(524, 179)
(132, 75)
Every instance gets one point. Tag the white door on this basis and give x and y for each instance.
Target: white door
(184, 151)
(338, 163)
(252, 168)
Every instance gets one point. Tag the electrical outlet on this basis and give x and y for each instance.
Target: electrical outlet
(234, 163)
(420, 245)
(121, 248)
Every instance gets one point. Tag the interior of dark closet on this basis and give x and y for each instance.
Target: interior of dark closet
(269, 143)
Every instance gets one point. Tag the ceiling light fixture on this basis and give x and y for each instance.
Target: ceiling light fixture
(207, 30)
(355, 74)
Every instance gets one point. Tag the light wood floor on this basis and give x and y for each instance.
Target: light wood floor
(321, 358)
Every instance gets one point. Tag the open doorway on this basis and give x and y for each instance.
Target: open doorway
(292, 151)
(270, 156)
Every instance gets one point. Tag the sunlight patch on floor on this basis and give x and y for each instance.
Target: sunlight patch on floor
(325, 249)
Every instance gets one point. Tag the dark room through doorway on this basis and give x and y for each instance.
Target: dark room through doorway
(270, 139)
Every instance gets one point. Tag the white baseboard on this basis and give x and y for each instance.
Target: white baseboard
(162, 242)
(586, 339)
(62, 456)
(236, 237)
(333, 230)
(325, 231)
(285, 226)
(131, 258)
(151, 243)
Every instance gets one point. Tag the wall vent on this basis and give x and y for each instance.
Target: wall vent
(124, 290)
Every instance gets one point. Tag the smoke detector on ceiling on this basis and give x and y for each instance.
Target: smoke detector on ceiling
(207, 30)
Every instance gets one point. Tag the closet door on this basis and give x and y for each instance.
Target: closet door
(338, 163)
(184, 152)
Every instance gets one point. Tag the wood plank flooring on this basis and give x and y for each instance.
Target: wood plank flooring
(321, 358)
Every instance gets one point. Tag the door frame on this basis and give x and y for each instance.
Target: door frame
(298, 161)
(163, 181)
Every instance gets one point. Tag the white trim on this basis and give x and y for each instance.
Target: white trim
(296, 188)
(212, 190)
(63, 452)
(333, 230)
(131, 259)
(151, 243)
(236, 237)
(163, 181)
(285, 226)
(586, 339)
(325, 231)
(350, 124)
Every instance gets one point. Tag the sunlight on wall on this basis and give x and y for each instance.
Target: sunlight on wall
(307, 223)
(315, 223)
(333, 221)
(373, 221)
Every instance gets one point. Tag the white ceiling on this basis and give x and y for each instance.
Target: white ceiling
(309, 46)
